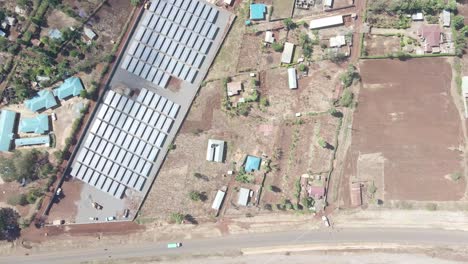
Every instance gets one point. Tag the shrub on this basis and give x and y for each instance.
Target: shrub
(372, 189)
(322, 143)
(302, 68)
(456, 176)
(431, 206)
(347, 98)
(19, 199)
(178, 218)
(33, 195)
(278, 47)
(195, 196)
(264, 102)
(289, 23)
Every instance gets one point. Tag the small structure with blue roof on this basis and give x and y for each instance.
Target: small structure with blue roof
(55, 34)
(252, 163)
(70, 87)
(38, 124)
(30, 141)
(44, 100)
(257, 11)
(7, 124)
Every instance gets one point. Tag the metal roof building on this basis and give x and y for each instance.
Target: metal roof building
(292, 78)
(288, 52)
(218, 200)
(328, 3)
(465, 94)
(269, 37)
(30, 141)
(257, 11)
(243, 196)
(446, 18)
(7, 123)
(215, 150)
(38, 124)
(337, 41)
(70, 87)
(326, 22)
(44, 100)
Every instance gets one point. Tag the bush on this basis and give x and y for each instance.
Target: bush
(264, 102)
(302, 68)
(177, 218)
(322, 143)
(431, 206)
(33, 195)
(289, 23)
(195, 196)
(347, 98)
(349, 76)
(458, 22)
(278, 47)
(372, 189)
(19, 199)
(135, 2)
(456, 176)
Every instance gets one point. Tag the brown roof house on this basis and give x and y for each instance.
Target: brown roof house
(234, 88)
(431, 37)
(316, 192)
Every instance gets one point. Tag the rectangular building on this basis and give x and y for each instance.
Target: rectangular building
(288, 52)
(243, 196)
(215, 150)
(292, 78)
(7, 123)
(465, 94)
(326, 22)
(218, 200)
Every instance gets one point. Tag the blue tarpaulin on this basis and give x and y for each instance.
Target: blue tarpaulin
(252, 163)
(257, 11)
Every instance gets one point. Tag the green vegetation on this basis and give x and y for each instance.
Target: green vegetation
(456, 176)
(346, 98)
(372, 189)
(277, 46)
(289, 24)
(307, 202)
(178, 218)
(297, 185)
(302, 68)
(195, 196)
(264, 102)
(350, 76)
(27, 165)
(322, 143)
(431, 207)
(307, 45)
(9, 228)
(19, 199)
(243, 176)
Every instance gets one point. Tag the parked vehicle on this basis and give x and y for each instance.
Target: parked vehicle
(53, 116)
(93, 218)
(325, 221)
(126, 213)
(174, 245)
(110, 218)
(58, 192)
(96, 206)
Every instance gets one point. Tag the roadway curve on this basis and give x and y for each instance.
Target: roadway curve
(235, 243)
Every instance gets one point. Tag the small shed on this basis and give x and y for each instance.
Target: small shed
(316, 192)
(30, 141)
(338, 41)
(446, 18)
(269, 37)
(292, 78)
(215, 150)
(88, 34)
(465, 94)
(7, 124)
(417, 16)
(38, 124)
(288, 52)
(55, 34)
(43, 100)
(70, 87)
(328, 3)
(218, 200)
(257, 11)
(243, 196)
(234, 88)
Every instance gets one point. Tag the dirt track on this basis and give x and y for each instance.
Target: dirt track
(409, 116)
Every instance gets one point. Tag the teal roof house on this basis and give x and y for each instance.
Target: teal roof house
(70, 87)
(30, 141)
(7, 124)
(43, 101)
(38, 124)
(257, 11)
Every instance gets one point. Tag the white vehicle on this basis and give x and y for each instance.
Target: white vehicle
(53, 116)
(93, 218)
(110, 218)
(325, 221)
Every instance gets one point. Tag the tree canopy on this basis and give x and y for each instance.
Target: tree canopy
(9, 228)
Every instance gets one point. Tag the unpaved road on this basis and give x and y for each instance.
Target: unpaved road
(239, 243)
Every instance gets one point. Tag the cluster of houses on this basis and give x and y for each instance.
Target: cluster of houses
(38, 125)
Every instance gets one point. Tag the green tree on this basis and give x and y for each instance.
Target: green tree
(458, 22)
(322, 143)
(264, 102)
(22, 3)
(74, 53)
(135, 2)
(195, 196)
(9, 228)
(19, 199)
(346, 98)
(277, 46)
(289, 23)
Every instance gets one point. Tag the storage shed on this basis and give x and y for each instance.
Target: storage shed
(288, 52)
(326, 22)
(243, 196)
(215, 150)
(292, 78)
(218, 200)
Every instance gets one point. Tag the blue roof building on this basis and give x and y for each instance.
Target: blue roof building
(38, 124)
(70, 87)
(257, 11)
(7, 123)
(44, 140)
(2, 33)
(252, 163)
(44, 100)
(55, 34)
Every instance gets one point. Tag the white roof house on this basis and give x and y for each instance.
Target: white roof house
(292, 78)
(465, 94)
(337, 41)
(269, 37)
(243, 196)
(326, 22)
(288, 52)
(328, 3)
(89, 33)
(218, 200)
(446, 18)
(215, 150)
(417, 16)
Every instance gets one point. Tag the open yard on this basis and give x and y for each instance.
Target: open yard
(407, 138)
(377, 45)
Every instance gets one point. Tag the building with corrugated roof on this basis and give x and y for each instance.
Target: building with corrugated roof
(292, 78)
(446, 18)
(465, 94)
(215, 150)
(31, 141)
(42, 101)
(7, 124)
(243, 196)
(38, 124)
(288, 52)
(70, 87)
(326, 22)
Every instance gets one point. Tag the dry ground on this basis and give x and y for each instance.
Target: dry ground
(408, 115)
(254, 56)
(282, 9)
(376, 45)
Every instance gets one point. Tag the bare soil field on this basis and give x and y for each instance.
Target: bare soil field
(254, 55)
(376, 45)
(58, 19)
(65, 208)
(407, 116)
(82, 8)
(282, 9)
